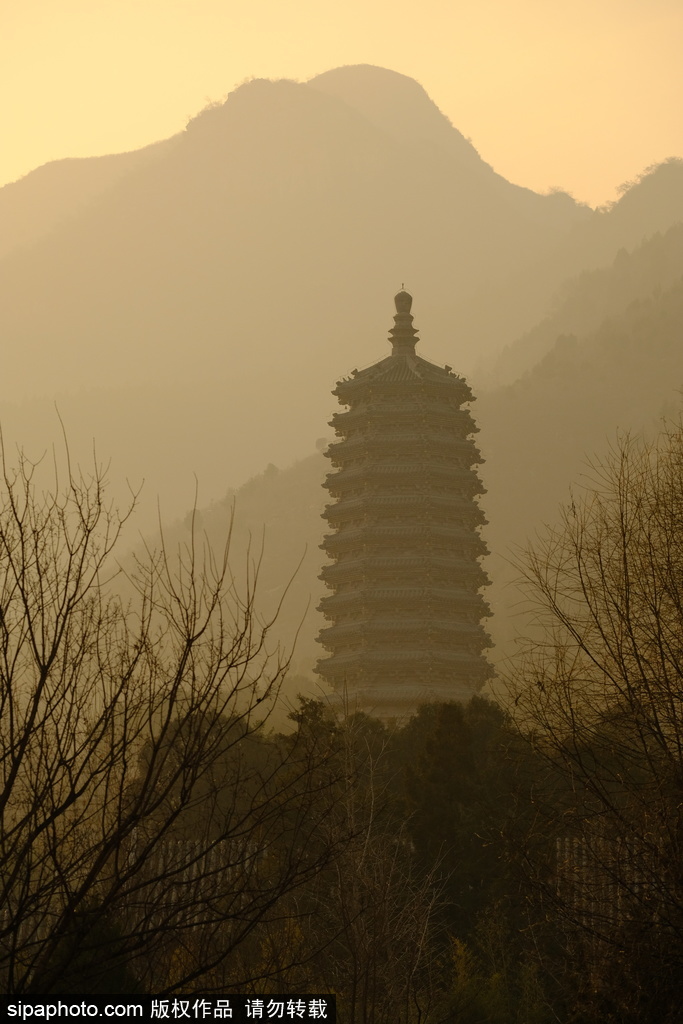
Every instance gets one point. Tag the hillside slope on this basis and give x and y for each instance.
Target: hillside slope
(194, 312)
(583, 302)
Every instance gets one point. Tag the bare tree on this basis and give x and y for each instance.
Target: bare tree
(372, 916)
(147, 823)
(600, 693)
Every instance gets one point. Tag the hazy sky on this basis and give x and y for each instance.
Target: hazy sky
(581, 94)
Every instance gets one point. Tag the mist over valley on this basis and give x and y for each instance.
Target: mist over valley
(430, 828)
(189, 306)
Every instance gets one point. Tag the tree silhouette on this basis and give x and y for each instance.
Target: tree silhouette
(147, 824)
(599, 692)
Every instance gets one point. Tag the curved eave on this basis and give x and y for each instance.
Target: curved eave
(405, 370)
(419, 410)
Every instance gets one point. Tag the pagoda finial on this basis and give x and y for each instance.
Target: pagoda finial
(403, 301)
(403, 335)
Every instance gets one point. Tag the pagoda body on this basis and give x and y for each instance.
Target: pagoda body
(405, 607)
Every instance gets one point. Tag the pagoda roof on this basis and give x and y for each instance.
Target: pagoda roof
(403, 366)
(437, 466)
(420, 624)
(397, 655)
(404, 532)
(411, 441)
(349, 569)
(453, 478)
(387, 595)
(449, 503)
(420, 407)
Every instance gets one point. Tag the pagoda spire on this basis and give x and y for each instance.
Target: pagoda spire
(403, 335)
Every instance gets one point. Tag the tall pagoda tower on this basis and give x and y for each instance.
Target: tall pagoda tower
(405, 607)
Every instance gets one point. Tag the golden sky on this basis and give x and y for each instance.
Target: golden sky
(578, 94)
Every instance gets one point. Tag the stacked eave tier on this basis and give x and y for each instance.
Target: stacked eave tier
(404, 411)
(388, 475)
(371, 506)
(414, 629)
(405, 444)
(409, 537)
(404, 570)
(451, 601)
(402, 664)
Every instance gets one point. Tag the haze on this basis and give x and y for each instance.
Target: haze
(189, 302)
(580, 95)
(214, 209)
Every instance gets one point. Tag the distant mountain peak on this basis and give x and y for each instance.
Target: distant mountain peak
(653, 194)
(364, 75)
(397, 104)
(249, 97)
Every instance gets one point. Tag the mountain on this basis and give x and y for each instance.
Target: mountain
(584, 301)
(651, 204)
(541, 434)
(399, 107)
(33, 206)
(191, 308)
(275, 524)
(283, 192)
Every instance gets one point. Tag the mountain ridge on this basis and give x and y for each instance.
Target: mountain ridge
(194, 314)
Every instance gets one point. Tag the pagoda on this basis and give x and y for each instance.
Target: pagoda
(405, 608)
